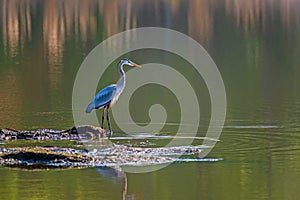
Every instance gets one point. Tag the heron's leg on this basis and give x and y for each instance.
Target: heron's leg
(108, 121)
(102, 122)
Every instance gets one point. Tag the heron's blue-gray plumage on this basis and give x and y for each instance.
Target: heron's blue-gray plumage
(102, 98)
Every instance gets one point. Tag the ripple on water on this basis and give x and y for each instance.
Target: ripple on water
(156, 140)
(247, 141)
(137, 150)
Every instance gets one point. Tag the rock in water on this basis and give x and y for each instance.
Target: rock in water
(75, 133)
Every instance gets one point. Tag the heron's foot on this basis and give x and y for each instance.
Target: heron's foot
(109, 133)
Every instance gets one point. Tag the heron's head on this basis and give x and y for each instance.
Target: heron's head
(125, 61)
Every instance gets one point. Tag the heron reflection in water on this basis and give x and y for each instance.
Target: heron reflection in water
(108, 96)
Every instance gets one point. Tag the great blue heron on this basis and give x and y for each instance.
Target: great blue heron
(108, 96)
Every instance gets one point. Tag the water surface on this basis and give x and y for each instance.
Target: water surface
(256, 47)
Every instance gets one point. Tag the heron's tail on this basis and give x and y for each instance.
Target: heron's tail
(90, 107)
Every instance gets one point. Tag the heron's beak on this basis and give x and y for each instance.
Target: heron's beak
(136, 65)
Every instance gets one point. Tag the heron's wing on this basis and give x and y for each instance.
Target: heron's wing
(105, 96)
(102, 98)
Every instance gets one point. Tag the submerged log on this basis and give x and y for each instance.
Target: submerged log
(35, 157)
(73, 133)
(57, 157)
(116, 155)
(44, 157)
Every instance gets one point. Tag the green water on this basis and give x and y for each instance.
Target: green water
(256, 46)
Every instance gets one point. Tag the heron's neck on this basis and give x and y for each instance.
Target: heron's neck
(122, 80)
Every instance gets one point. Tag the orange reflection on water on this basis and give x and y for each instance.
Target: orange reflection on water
(89, 20)
(53, 40)
(248, 14)
(53, 33)
(200, 21)
(11, 27)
